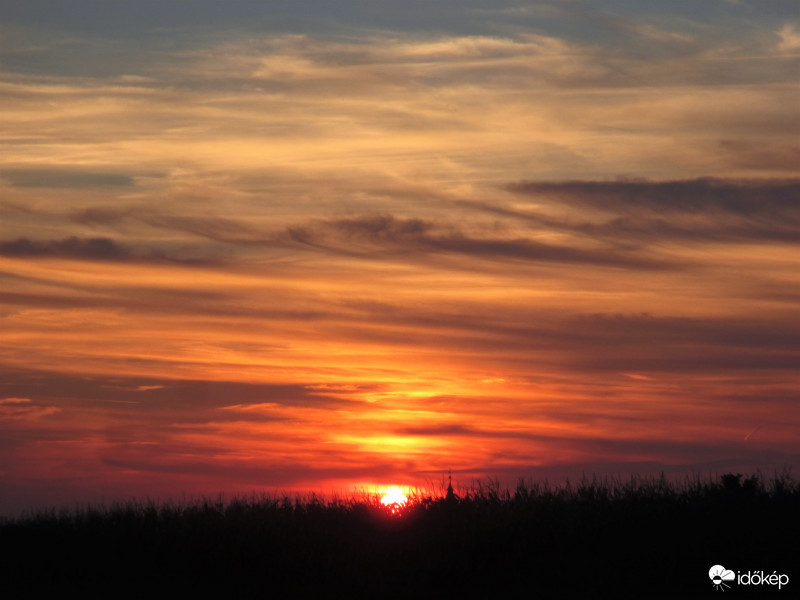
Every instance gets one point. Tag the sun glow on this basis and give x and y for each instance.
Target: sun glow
(394, 499)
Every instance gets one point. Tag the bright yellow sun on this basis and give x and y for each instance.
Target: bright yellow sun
(394, 499)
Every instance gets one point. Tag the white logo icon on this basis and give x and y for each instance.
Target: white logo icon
(719, 575)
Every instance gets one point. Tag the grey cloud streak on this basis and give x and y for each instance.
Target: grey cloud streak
(614, 213)
(95, 249)
(700, 210)
(744, 197)
(364, 235)
(65, 178)
(375, 237)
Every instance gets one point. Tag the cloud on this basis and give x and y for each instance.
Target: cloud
(72, 247)
(627, 26)
(164, 395)
(366, 235)
(15, 401)
(103, 249)
(384, 237)
(702, 210)
(790, 38)
(24, 410)
(63, 178)
(212, 227)
(747, 197)
(688, 344)
(761, 154)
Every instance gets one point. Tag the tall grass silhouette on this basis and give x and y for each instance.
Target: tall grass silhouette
(600, 536)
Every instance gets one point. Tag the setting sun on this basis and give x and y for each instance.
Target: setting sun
(394, 499)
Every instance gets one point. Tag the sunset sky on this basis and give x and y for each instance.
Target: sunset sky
(255, 246)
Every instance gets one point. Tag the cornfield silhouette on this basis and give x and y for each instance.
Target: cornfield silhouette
(603, 537)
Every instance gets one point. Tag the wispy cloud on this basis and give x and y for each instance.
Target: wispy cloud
(789, 35)
(367, 236)
(73, 247)
(23, 409)
(703, 210)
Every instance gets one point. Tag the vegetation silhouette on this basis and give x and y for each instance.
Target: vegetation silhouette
(606, 537)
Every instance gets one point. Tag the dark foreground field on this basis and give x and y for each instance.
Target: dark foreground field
(634, 538)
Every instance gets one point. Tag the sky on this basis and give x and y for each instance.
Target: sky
(254, 246)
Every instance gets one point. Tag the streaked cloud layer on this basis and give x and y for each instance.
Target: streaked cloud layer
(245, 247)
